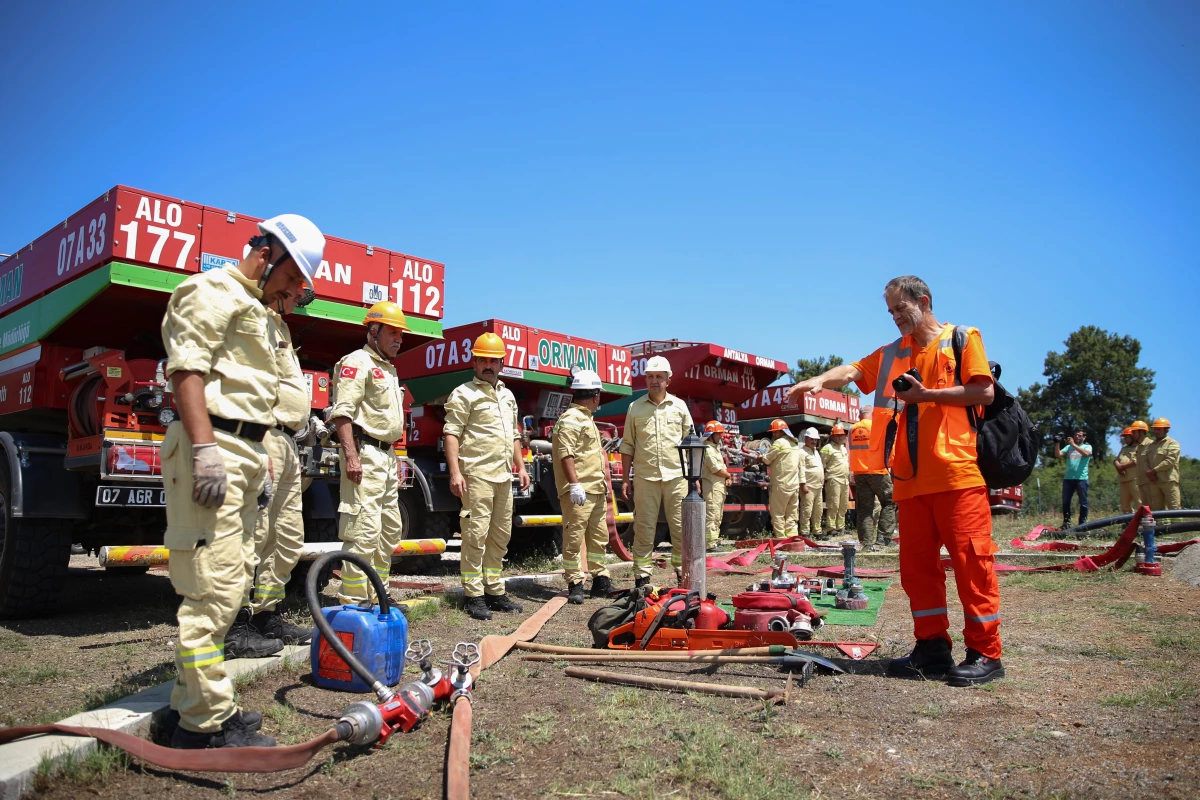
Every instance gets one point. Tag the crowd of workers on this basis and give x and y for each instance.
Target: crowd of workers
(233, 477)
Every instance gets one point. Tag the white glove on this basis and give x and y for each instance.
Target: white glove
(577, 495)
(208, 475)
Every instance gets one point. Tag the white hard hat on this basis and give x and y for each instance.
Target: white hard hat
(303, 240)
(585, 379)
(811, 433)
(658, 364)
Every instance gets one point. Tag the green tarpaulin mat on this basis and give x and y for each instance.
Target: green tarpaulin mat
(842, 616)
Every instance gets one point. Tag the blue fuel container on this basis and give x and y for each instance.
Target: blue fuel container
(377, 640)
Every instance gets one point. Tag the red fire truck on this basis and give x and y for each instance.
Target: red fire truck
(83, 397)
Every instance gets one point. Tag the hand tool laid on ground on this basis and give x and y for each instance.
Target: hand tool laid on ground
(647, 682)
(789, 660)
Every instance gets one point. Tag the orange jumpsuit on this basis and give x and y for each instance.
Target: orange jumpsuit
(944, 501)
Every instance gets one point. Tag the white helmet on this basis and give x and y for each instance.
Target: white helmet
(657, 364)
(303, 240)
(585, 379)
(811, 433)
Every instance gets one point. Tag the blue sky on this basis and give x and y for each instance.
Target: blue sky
(749, 173)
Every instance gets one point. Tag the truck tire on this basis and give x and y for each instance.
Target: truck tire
(34, 556)
(420, 524)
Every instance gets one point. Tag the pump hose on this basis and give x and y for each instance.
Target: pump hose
(1124, 518)
(313, 593)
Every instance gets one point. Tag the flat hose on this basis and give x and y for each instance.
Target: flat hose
(458, 752)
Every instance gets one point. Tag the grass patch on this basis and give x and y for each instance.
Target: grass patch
(130, 683)
(1057, 581)
(1185, 640)
(13, 642)
(1149, 697)
(534, 559)
(487, 750)
(95, 767)
(289, 724)
(931, 711)
(416, 612)
(32, 676)
(537, 727)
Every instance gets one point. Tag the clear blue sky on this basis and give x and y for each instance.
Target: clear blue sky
(744, 173)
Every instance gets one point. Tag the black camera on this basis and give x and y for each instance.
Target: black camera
(1058, 437)
(902, 383)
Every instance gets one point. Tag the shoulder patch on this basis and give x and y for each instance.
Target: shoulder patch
(377, 373)
(348, 372)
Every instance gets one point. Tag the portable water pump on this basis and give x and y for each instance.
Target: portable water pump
(851, 595)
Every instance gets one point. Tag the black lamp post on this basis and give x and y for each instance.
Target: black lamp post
(691, 460)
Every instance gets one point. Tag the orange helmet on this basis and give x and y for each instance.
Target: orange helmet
(779, 425)
(1127, 431)
(488, 345)
(712, 426)
(836, 430)
(1161, 422)
(1138, 425)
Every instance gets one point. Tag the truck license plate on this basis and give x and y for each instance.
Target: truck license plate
(130, 496)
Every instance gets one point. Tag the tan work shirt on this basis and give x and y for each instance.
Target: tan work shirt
(368, 393)
(835, 459)
(1143, 461)
(216, 325)
(484, 420)
(784, 460)
(576, 435)
(1162, 456)
(814, 470)
(714, 464)
(652, 435)
(1127, 458)
(294, 403)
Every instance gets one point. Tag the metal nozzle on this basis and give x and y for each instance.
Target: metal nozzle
(364, 721)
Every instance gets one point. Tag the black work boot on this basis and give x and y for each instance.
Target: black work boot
(640, 582)
(500, 602)
(930, 658)
(251, 719)
(235, 732)
(243, 640)
(272, 625)
(975, 669)
(575, 593)
(601, 586)
(477, 608)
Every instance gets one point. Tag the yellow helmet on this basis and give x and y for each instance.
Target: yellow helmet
(388, 313)
(1161, 422)
(488, 345)
(1138, 425)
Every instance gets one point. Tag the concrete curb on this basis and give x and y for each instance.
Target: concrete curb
(19, 760)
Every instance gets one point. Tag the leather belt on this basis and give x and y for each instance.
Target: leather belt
(364, 439)
(281, 427)
(251, 431)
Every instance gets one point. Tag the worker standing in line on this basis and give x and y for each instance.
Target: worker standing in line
(1162, 460)
(215, 470)
(483, 449)
(714, 481)
(871, 483)
(581, 475)
(787, 480)
(368, 416)
(655, 425)
(280, 535)
(835, 460)
(1075, 480)
(1141, 441)
(812, 484)
(1126, 465)
(944, 500)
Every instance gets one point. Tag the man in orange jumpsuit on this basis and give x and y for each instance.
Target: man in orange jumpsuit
(941, 496)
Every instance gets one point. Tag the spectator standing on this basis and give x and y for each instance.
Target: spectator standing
(1078, 454)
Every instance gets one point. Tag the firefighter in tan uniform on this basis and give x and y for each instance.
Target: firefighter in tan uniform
(1162, 468)
(368, 415)
(714, 481)
(280, 535)
(835, 460)
(1141, 441)
(655, 424)
(224, 380)
(580, 473)
(1126, 465)
(483, 447)
(787, 480)
(813, 484)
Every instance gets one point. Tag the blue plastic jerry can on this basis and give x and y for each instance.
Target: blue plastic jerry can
(377, 640)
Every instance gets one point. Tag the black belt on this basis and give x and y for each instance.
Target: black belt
(364, 439)
(281, 427)
(251, 431)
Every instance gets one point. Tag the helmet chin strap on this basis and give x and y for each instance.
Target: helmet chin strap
(373, 333)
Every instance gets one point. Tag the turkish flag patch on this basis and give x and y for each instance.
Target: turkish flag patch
(348, 372)
(377, 372)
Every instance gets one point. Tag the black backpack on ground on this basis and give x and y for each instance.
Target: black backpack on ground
(621, 612)
(1006, 441)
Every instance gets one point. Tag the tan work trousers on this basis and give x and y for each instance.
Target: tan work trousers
(866, 489)
(837, 501)
(1131, 498)
(1162, 495)
(212, 562)
(279, 537)
(785, 511)
(585, 528)
(810, 511)
(714, 510)
(648, 497)
(486, 530)
(369, 522)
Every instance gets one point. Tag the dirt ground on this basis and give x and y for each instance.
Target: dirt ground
(1101, 700)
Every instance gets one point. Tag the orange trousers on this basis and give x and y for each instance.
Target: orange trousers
(962, 521)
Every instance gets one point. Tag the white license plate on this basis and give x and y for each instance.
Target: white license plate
(131, 496)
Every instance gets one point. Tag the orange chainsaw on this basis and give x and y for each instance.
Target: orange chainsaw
(678, 619)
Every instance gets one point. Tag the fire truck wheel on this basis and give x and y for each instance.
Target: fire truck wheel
(419, 523)
(34, 555)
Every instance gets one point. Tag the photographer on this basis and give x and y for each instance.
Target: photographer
(944, 502)
(1075, 481)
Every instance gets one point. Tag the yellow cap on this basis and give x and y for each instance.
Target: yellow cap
(388, 313)
(488, 345)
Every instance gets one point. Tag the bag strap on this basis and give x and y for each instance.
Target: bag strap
(911, 430)
(959, 340)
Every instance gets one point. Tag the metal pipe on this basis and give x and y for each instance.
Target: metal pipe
(554, 520)
(407, 547)
(133, 556)
(150, 556)
(693, 512)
